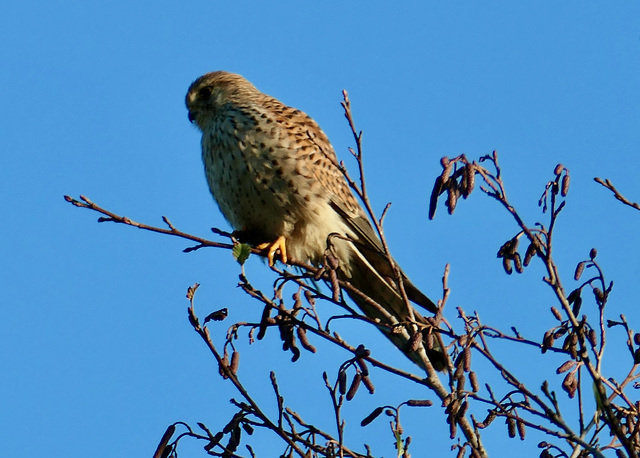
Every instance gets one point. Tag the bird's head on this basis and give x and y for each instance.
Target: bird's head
(214, 90)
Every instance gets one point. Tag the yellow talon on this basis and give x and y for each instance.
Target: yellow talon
(279, 244)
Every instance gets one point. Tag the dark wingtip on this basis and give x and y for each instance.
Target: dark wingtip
(416, 296)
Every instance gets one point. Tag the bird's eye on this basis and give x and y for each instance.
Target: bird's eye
(204, 93)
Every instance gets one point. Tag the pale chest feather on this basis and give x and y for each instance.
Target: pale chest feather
(262, 177)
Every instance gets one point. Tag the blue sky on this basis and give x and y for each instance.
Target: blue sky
(97, 355)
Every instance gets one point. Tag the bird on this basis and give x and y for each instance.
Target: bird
(277, 181)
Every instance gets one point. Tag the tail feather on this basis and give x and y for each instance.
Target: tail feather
(372, 275)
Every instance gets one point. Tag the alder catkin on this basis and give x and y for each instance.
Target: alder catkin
(355, 384)
(235, 360)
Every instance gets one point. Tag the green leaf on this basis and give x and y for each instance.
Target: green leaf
(241, 252)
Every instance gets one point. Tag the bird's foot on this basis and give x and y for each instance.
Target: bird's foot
(272, 248)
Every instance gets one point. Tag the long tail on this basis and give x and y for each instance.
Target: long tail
(371, 274)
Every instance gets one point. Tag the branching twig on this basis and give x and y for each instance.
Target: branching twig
(607, 184)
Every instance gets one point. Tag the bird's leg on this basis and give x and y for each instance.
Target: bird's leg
(271, 248)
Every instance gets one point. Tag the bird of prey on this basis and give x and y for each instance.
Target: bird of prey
(276, 179)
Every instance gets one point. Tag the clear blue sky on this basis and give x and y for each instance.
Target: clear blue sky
(96, 353)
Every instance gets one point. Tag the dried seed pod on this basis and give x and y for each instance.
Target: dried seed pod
(593, 253)
(517, 263)
(247, 428)
(342, 382)
(474, 382)
(579, 270)
(466, 358)
(266, 312)
(235, 360)
(304, 341)
(297, 304)
(490, 417)
(560, 332)
(556, 313)
(335, 286)
(470, 179)
(463, 409)
(511, 427)
(414, 342)
(506, 264)
(331, 261)
(447, 168)
(508, 248)
(355, 384)
(565, 186)
(576, 306)
(592, 337)
(597, 292)
(558, 170)
(372, 416)
(452, 196)
(419, 403)
(233, 423)
(565, 367)
(363, 366)
(521, 428)
(573, 295)
(218, 315)
(636, 356)
(368, 384)
(570, 384)
(573, 346)
(428, 340)
(529, 254)
(459, 372)
(286, 333)
(215, 440)
(362, 352)
(453, 429)
(162, 451)
(438, 187)
(295, 350)
(222, 365)
(548, 340)
(234, 439)
(452, 409)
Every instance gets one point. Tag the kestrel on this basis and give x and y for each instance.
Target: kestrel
(275, 177)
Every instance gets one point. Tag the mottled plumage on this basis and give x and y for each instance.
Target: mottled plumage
(275, 177)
